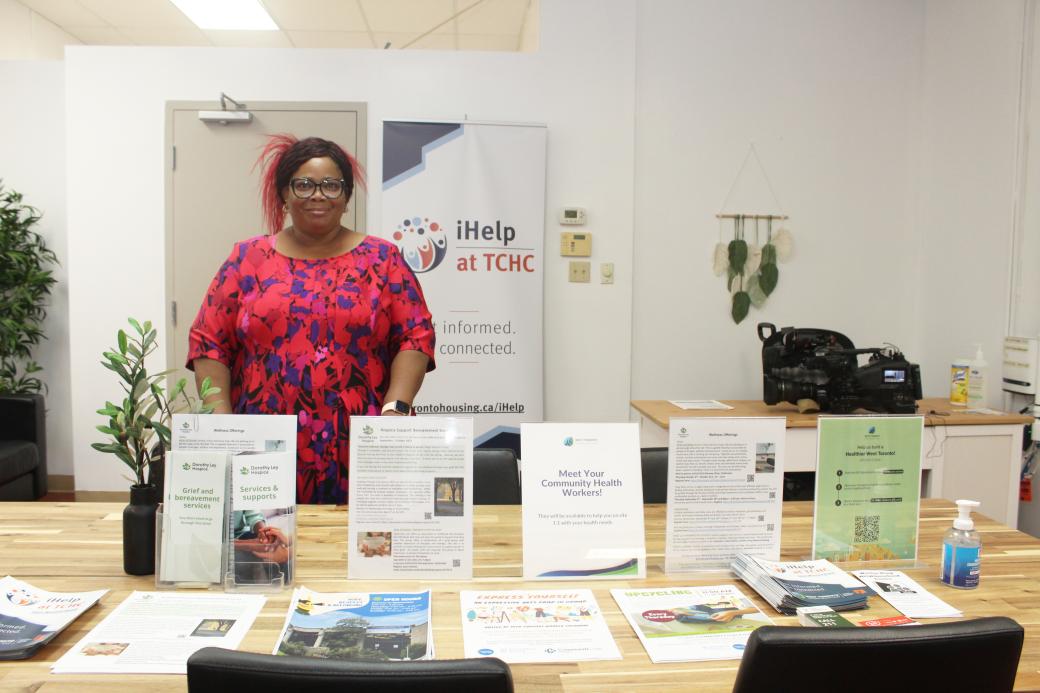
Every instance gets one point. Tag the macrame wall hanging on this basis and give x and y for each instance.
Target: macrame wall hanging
(756, 223)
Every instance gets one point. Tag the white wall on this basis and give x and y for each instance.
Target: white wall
(967, 183)
(1026, 315)
(32, 161)
(580, 82)
(827, 91)
(26, 35)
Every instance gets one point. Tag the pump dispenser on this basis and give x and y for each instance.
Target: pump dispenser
(977, 379)
(961, 548)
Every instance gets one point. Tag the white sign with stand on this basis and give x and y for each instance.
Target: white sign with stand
(725, 490)
(411, 498)
(583, 501)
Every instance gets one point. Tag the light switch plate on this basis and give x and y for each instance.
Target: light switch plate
(579, 271)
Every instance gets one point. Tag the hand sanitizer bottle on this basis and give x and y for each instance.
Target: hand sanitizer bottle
(977, 380)
(960, 551)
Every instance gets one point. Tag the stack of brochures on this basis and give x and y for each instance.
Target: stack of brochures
(30, 617)
(791, 584)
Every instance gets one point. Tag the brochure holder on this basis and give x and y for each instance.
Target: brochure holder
(196, 555)
(260, 550)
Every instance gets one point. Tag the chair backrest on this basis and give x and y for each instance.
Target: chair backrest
(216, 670)
(496, 477)
(976, 655)
(655, 474)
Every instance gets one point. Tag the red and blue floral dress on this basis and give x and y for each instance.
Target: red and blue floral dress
(314, 338)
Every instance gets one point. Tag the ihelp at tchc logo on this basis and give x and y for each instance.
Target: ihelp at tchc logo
(422, 242)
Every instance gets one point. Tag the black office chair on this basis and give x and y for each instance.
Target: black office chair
(655, 474)
(496, 477)
(977, 655)
(216, 670)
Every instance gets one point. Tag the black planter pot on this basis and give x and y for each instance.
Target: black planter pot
(139, 530)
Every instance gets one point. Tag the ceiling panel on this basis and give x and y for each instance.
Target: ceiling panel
(316, 15)
(64, 13)
(249, 39)
(148, 36)
(504, 17)
(331, 39)
(99, 35)
(405, 16)
(140, 13)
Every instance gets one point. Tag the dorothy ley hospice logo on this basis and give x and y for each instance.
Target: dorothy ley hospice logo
(422, 242)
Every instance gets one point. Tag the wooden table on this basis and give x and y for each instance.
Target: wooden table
(977, 456)
(76, 546)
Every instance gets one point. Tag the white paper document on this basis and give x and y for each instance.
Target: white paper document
(725, 490)
(193, 517)
(235, 432)
(156, 632)
(358, 626)
(690, 624)
(699, 404)
(905, 595)
(411, 498)
(583, 501)
(535, 626)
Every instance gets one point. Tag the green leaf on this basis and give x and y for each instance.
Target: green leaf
(768, 279)
(107, 430)
(737, 255)
(741, 304)
(121, 337)
(163, 431)
(136, 325)
(754, 290)
(769, 254)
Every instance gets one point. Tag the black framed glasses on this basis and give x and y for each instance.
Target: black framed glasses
(305, 187)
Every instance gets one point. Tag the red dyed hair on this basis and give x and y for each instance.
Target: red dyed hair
(282, 156)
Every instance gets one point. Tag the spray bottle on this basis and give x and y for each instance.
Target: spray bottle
(960, 551)
(977, 380)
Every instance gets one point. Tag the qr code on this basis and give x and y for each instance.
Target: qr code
(427, 516)
(750, 478)
(761, 518)
(456, 562)
(770, 527)
(866, 530)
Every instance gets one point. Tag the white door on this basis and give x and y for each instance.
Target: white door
(213, 194)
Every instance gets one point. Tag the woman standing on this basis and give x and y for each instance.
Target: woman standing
(314, 319)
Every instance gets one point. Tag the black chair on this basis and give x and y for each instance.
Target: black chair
(977, 655)
(23, 448)
(216, 670)
(655, 474)
(496, 477)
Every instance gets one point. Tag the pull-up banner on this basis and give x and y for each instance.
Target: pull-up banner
(465, 203)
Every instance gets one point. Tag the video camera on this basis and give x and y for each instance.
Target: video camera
(823, 366)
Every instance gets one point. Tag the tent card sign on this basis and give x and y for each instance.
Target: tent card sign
(411, 498)
(583, 501)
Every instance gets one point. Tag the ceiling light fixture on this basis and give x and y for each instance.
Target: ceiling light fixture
(240, 15)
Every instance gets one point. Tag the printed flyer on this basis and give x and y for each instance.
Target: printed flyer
(31, 617)
(156, 632)
(540, 626)
(868, 488)
(262, 520)
(358, 626)
(411, 498)
(725, 490)
(690, 624)
(193, 517)
(583, 501)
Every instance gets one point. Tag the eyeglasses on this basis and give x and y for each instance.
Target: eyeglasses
(305, 187)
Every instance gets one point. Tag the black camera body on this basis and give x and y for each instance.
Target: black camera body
(822, 365)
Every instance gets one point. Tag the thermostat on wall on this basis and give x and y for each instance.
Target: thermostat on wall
(572, 215)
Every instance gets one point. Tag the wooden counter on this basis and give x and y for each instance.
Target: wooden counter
(76, 546)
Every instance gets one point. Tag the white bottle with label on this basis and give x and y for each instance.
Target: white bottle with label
(961, 548)
(977, 380)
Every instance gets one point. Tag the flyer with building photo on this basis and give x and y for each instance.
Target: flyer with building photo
(535, 626)
(358, 626)
(689, 624)
(583, 501)
(411, 498)
(725, 490)
(868, 488)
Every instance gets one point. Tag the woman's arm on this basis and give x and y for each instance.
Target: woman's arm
(406, 375)
(219, 376)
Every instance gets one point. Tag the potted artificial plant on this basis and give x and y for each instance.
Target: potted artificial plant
(139, 430)
(25, 285)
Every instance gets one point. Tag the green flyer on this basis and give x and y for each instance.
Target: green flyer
(868, 488)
